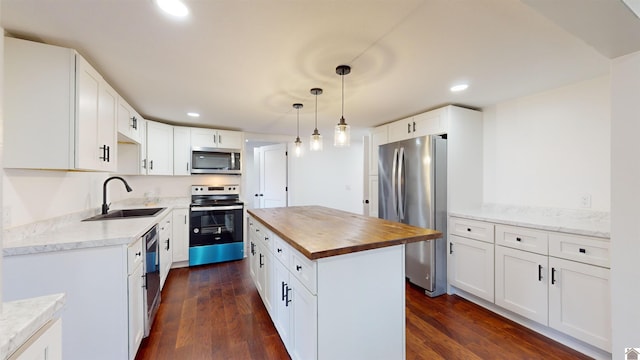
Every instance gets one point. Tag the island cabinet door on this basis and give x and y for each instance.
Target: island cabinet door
(263, 273)
(304, 322)
(282, 302)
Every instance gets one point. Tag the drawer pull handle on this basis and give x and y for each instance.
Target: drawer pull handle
(583, 251)
(468, 229)
(539, 272)
(450, 248)
(279, 250)
(298, 267)
(266, 238)
(261, 263)
(518, 239)
(139, 253)
(553, 276)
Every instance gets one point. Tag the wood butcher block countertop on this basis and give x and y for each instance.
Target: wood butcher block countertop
(319, 232)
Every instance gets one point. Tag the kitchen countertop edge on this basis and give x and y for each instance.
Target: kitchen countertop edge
(21, 319)
(593, 227)
(315, 255)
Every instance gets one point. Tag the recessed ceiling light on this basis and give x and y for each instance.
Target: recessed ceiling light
(193, 114)
(173, 7)
(459, 87)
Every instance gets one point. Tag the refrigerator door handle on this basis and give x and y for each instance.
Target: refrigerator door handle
(394, 170)
(401, 184)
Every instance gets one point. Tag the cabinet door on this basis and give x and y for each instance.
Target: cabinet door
(164, 243)
(181, 150)
(373, 196)
(107, 133)
(264, 276)
(129, 123)
(304, 322)
(230, 139)
(401, 129)
(136, 310)
(88, 80)
(204, 137)
(159, 148)
(281, 301)
(521, 283)
(429, 123)
(180, 239)
(470, 266)
(579, 301)
(379, 136)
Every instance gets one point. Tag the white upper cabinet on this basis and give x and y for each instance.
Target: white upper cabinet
(59, 112)
(130, 127)
(212, 138)
(429, 123)
(401, 129)
(159, 148)
(181, 150)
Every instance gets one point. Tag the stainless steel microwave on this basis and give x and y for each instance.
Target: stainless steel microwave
(206, 160)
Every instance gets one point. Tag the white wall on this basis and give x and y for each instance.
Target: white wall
(550, 148)
(331, 178)
(625, 200)
(1, 149)
(36, 195)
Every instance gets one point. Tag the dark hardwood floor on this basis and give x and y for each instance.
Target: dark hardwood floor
(215, 312)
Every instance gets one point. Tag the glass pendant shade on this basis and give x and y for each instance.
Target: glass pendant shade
(342, 134)
(315, 141)
(298, 147)
(298, 143)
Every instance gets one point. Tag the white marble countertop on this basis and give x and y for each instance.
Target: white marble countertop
(68, 233)
(579, 222)
(22, 318)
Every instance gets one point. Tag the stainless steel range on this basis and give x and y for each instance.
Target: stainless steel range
(216, 224)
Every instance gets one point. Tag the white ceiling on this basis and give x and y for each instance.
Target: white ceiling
(243, 63)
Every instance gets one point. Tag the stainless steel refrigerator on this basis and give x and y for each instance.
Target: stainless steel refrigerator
(413, 190)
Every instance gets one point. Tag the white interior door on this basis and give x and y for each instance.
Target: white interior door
(273, 176)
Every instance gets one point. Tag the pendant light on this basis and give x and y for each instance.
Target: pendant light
(315, 142)
(298, 142)
(342, 134)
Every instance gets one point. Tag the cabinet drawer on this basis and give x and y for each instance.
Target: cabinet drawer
(134, 255)
(304, 269)
(281, 250)
(584, 249)
(262, 235)
(478, 230)
(522, 238)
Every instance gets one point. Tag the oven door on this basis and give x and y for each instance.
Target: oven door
(215, 234)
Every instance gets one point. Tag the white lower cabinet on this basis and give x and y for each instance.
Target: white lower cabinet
(136, 297)
(556, 279)
(470, 266)
(579, 301)
(164, 243)
(521, 283)
(45, 344)
(303, 339)
(180, 232)
(263, 274)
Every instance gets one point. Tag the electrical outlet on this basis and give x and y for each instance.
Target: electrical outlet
(585, 201)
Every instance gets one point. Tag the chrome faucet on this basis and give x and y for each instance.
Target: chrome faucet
(105, 206)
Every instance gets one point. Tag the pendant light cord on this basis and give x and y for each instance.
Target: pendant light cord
(316, 112)
(342, 95)
(298, 123)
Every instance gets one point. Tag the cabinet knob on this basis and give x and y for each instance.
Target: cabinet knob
(583, 251)
(518, 239)
(468, 229)
(139, 253)
(298, 267)
(279, 250)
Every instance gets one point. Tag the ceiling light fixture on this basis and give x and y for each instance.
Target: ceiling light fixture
(459, 87)
(315, 142)
(193, 114)
(173, 7)
(342, 134)
(298, 142)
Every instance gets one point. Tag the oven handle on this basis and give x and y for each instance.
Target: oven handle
(210, 208)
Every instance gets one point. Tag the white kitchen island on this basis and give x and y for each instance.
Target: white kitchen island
(333, 282)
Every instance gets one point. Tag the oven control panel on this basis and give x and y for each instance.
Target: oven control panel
(215, 190)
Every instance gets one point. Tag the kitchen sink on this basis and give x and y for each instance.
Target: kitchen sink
(126, 213)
